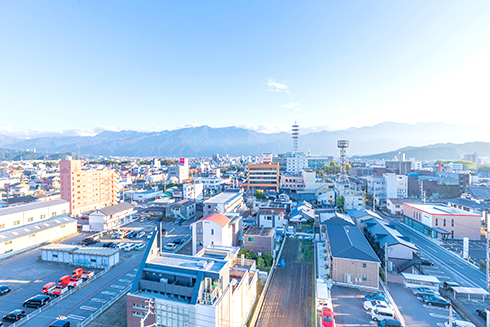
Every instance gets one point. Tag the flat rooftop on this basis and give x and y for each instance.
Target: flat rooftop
(188, 262)
(224, 197)
(21, 231)
(440, 209)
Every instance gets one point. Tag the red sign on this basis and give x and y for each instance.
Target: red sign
(6, 186)
(182, 160)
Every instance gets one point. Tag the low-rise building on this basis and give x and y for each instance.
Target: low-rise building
(185, 209)
(260, 239)
(270, 218)
(229, 201)
(110, 217)
(93, 257)
(438, 220)
(216, 229)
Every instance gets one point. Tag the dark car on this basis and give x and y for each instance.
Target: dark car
(178, 241)
(36, 301)
(389, 323)
(426, 262)
(482, 313)
(60, 323)
(422, 291)
(89, 241)
(448, 286)
(375, 297)
(14, 315)
(4, 289)
(107, 245)
(436, 300)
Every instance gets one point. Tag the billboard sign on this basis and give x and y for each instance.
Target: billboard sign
(182, 160)
(426, 219)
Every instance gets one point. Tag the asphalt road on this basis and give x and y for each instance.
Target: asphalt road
(348, 307)
(289, 299)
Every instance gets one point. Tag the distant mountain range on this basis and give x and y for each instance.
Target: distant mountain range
(204, 141)
(16, 155)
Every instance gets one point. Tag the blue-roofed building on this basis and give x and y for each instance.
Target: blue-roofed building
(401, 251)
(360, 215)
(353, 261)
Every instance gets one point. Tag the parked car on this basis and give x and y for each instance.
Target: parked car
(15, 315)
(4, 289)
(178, 241)
(375, 297)
(436, 301)
(370, 305)
(170, 246)
(448, 286)
(459, 323)
(60, 323)
(48, 287)
(427, 262)
(389, 323)
(36, 301)
(482, 313)
(422, 291)
(327, 317)
(139, 246)
(378, 314)
(107, 244)
(141, 234)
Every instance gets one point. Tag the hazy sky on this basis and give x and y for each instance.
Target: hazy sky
(165, 64)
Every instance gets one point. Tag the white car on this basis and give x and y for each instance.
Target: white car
(370, 305)
(379, 314)
(170, 246)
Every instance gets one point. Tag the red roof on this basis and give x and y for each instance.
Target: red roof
(217, 218)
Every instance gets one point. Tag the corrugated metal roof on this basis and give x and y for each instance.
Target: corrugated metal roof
(96, 251)
(123, 206)
(30, 206)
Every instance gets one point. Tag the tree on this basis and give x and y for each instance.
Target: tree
(484, 169)
(428, 193)
(260, 195)
(340, 202)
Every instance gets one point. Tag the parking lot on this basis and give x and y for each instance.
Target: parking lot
(348, 307)
(25, 274)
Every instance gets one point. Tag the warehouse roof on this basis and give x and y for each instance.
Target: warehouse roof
(99, 251)
(30, 206)
(123, 206)
(13, 233)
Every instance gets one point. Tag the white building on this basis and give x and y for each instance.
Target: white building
(209, 183)
(192, 191)
(396, 186)
(296, 162)
(224, 203)
(110, 217)
(17, 216)
(353, 198)
(180, 172)
(215, 229)
(213, 288)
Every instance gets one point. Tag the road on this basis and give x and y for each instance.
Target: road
(289, 299)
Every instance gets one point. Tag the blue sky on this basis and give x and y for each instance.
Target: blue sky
(153, 65)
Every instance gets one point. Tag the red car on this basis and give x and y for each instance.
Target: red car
(327, 317)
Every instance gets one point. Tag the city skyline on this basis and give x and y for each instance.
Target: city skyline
(261, 66)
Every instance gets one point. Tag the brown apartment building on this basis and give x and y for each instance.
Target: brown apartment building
(263, 176)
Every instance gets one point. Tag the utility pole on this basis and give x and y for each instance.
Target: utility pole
(485, 217)
(450, 315)
(386, 264)
(374, 200)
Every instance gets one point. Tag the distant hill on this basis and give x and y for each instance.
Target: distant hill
(16, 155)
(204, 141)
(442, 151)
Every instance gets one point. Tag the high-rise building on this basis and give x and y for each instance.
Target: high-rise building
(87, 189)
(263, 176)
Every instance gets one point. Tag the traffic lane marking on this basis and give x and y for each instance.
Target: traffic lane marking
(76, 317)
(87, 308)
(96, 291)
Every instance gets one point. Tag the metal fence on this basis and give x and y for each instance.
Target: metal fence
(106, 305)
(57, 299)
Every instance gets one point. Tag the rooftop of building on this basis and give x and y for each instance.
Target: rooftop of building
(386, 233)
(217, 218)
(123, 206)
(31, 206)
(187, 262)
(348, 242)
(440, 209)
(21, 231)
(260, 231)
(225, 197)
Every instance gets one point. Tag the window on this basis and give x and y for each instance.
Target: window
(436, 221)
(444, 222)
(452, 223)
(42, 216)
(16, 222)
(364, 265)
(64, 211)
(364, 277)
(2, 226)
(30, 219)
(198, 230)
(212, 231)
(251, 239)
(54, 214)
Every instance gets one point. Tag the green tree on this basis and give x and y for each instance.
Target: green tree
(340, 202)
(260, 195)
(484, 169)
(428, 193)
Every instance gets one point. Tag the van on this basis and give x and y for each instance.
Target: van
(64, 280)
(448, 286)
(47, 287)
(378, 314)
(60, 323)
(389, 323)
(36, 301)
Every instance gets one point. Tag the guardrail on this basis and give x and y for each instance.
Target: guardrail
(106, 305)
(57, 299)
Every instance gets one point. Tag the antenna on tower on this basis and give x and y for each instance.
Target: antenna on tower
(295, 137)
(343, 145)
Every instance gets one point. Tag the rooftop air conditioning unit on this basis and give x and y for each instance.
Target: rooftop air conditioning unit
(164, 280)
